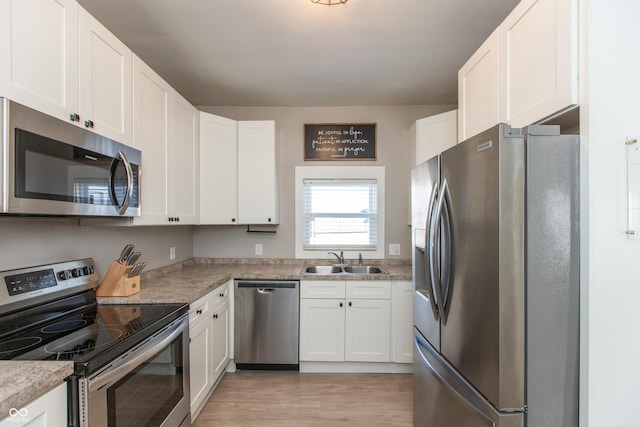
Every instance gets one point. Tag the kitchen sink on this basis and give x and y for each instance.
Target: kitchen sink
(343, 269)
(364, 269)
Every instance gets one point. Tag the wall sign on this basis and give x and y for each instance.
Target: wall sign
(340, 141)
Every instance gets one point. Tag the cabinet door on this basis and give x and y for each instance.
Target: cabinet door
(200, 359)
(221, 341)
(539, 60)
(403, 322)
(184, 175)
(39, 51)
(368, 331)
(478, 93)
(50, 409)
(218, 170)
(322, 330)
(433, 135)
(257, 173)
(152, 112)
(105, 80)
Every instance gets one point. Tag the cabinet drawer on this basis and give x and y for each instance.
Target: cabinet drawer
(322, 289)
(219, 294)
(200, 309)
(368, 289)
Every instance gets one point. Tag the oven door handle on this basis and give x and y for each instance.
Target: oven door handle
(146, 352)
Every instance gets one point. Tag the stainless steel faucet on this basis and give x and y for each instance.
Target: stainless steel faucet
(340, 257)
(359, 259)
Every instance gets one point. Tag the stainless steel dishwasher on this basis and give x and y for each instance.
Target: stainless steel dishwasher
(266, 324)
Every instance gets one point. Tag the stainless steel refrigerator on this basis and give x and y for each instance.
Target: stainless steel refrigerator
(495, 223)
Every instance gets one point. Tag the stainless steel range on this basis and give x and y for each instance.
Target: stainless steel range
(131, 361)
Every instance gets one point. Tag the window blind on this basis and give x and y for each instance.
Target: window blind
(340, 214)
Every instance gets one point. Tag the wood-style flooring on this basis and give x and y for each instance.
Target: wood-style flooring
(288, 399)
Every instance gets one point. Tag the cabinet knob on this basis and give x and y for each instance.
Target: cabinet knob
(341, 304)
(269, 220)
(233, 220)
(350, 304)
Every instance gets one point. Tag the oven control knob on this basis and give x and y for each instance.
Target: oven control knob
(64, 275)
(77, 272)
(88, 270)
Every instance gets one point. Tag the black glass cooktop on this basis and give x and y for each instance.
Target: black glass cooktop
(89, 335)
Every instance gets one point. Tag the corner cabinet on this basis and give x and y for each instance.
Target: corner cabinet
(525, 72)
(50, 409)
(61, 61)
(345, 321)
(432, 135)
(165, 130)
(209, 344)
(238, 171)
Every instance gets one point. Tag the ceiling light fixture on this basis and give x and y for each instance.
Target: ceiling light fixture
(329, 2)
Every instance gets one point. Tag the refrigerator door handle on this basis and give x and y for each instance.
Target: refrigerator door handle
(434, 251)
(427, 253)
(447, 250)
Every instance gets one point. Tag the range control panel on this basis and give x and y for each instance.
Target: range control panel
(23, 284)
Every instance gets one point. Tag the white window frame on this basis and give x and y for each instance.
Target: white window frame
(339, 172)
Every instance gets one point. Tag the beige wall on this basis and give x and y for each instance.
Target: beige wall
(393, 123)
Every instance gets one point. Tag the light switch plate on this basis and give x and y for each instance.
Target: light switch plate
(258, 248)
(172, 253)
(394, 249)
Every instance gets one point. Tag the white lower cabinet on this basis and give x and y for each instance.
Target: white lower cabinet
(345, 321)
(403, 322)
(209, 344)
(50, 409)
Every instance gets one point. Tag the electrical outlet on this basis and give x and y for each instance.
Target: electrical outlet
(258, 248)
(172, 253)
(394, 249)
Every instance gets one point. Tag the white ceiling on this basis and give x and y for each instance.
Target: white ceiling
(296, 53)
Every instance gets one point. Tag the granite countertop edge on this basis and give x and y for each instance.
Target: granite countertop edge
(187, 281)
(24, 381)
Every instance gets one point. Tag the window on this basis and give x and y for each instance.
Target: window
(339, 208)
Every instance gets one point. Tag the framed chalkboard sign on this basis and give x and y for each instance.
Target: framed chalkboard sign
(340, 141)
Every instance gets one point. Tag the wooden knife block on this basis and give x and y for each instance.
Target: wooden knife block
(117, 284)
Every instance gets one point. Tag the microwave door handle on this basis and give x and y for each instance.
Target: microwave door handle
(427, 253)
(147, 351)
(127, 198)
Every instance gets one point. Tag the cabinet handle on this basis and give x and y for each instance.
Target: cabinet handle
(74, 117)
(215, 316)
(222, 295)
(269, 220)
(350, 304)
(199, 311)
(233, 220)
(88, 123)
(341, 304)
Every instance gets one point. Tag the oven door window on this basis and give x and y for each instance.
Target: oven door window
(147, 395)
(52, 170)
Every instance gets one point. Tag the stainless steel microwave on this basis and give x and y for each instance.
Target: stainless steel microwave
(50, 167)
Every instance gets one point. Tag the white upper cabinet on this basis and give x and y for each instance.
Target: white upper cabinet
(432, 135)
(184, 164)
(165, 129)
(478, 90)
(257, 173)
(538, 60)
(525, 72)
(39, 55)
(105, 80)
(218, 170)
(238, 171)
(56, 58)
(152, 133)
